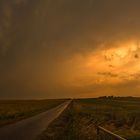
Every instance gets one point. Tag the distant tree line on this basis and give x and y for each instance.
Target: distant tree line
(119, 98)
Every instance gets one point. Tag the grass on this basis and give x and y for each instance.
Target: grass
(78, 122)
(61, 128)
(120, 116)
(15, 110)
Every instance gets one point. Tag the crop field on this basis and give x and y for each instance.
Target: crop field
(15, 110)
(119, 115)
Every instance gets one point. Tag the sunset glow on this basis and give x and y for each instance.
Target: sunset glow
(69, 48)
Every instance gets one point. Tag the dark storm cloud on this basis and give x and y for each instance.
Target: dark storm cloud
(37, 35)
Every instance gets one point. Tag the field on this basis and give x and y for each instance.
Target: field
(15, 110)
(79, 121)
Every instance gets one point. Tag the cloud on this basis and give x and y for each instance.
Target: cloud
(68, 47)
(136, 56)
(108, 74)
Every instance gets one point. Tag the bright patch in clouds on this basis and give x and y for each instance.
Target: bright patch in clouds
(109, 64)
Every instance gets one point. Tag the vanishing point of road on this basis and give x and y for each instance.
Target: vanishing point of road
(31, 128)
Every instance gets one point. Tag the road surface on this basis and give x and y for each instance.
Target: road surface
(30, 128)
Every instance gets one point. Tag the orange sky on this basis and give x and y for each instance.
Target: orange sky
(69, 48)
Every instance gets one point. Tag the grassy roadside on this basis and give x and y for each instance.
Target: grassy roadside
(79, 120)
(61, 128)
(70, 125)
(15, 110)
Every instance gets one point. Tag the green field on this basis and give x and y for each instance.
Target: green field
(15, 110)
(79, 121)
